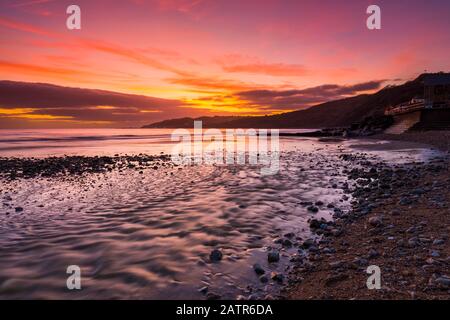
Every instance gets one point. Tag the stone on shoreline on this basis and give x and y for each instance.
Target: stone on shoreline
(308, 243)
(315, 224)
(406, 233)
(212, 296)
(203, 290)
(313, 209)
(215, 255)
(289, 235)
(443, 281)
(375, 221)
(331, 280)
(273, 256)
(14, 168)
(258, 269)
(405, 201)
(278, 277)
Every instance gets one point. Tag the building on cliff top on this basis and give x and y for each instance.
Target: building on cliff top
(437, 91)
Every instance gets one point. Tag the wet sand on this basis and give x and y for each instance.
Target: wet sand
(437, 139)
(401, 225)
(141, 227)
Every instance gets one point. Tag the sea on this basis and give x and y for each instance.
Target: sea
(149, 235)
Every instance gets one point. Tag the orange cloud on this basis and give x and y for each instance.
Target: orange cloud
(130, 54)
(28, 113)
(30, 68)
(41, 117)
(15, 111)
(213, 83)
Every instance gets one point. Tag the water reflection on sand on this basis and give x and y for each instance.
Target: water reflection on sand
(149, 235)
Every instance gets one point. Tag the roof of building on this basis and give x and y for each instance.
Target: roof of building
(437, 79)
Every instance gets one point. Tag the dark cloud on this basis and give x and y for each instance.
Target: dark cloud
(87, 104)
(38, 95)
(297, 99)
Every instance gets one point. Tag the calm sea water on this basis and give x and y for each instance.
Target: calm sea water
(149, 235)
(59, 142)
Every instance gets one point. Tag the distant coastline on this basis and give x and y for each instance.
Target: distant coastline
(332, 114)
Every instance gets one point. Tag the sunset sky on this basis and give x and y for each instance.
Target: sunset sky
(141, 61)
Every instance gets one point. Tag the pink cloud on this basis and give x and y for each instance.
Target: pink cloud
(271, 69)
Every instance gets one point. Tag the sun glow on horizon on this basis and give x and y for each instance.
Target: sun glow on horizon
(210, 59)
